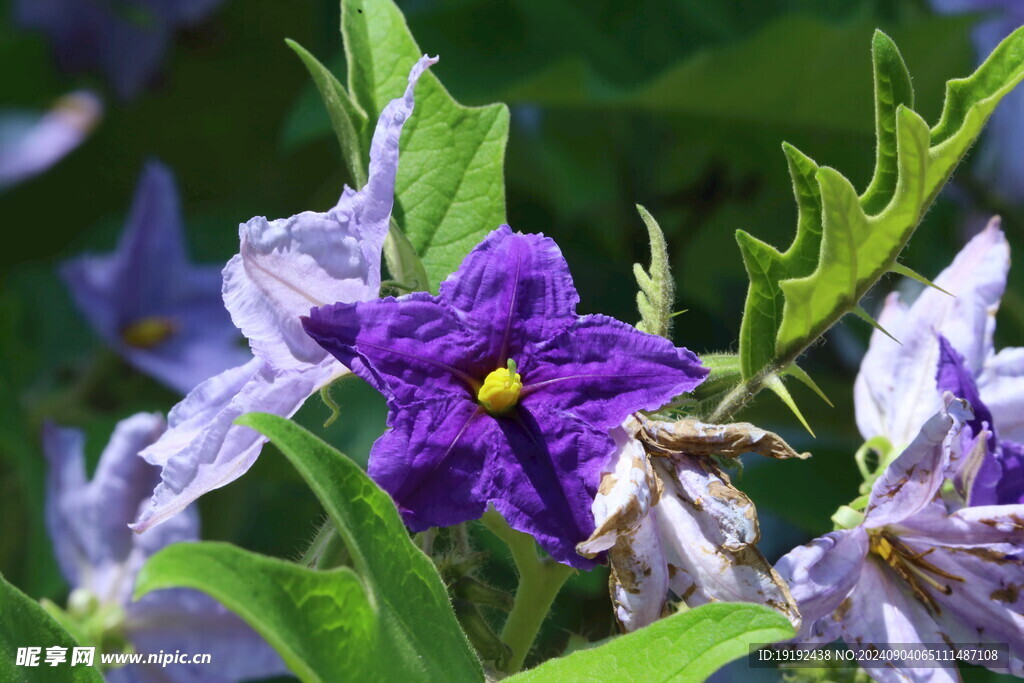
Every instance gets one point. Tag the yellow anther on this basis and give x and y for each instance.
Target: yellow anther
(147, 333)
(880, 546)
(500, 390)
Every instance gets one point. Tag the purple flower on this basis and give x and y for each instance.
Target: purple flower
(124, 39)
(911, 571)
(895, 391)
(283, 268)
(499, 393)
(674, 522)
(100, 558)
(163, 314)
(1001, 158)
(30, 142)
(993, 473)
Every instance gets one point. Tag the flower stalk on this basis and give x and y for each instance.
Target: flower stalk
(540, 579)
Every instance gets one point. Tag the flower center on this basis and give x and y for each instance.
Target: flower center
(145, 333)
(500, 390)
(913, 568)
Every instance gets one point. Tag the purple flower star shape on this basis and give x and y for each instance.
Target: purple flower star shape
(31, 142)
(100, 557)
(159, 311)
(125, 40)
(895, 392)
(283, 267)
(912, 571)
(499, 393)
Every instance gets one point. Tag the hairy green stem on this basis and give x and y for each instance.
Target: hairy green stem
(540, 579)
(327, 549)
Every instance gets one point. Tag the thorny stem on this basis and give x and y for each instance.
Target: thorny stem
(540, 579)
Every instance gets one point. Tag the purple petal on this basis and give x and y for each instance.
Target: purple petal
(880, 612)
(1010, 489)
(967, 527)
(87, 521)
(287, 266)
(873, 388)
(203, 449)
(434, 459)
(954, 376)
(986, 607)
(149, 278)
(1002, 386)
(897, 381)
(409, 349)
(512, 290)
(708, 530)
(189, 621)
(912, 481)
(544, 478)
(32, 143)
(821, 575)
(90, 36)
(602, 370)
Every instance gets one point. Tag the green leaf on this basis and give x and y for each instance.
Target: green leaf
(403, 263)
(24, 623)
(657, 288)
(688, 646)
(349, 121)
(387, 618)
(845, 242)
(450, 188)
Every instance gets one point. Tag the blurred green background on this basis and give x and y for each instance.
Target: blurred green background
(680, 105)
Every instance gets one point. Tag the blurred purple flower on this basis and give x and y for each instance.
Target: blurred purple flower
(100, 557)
(912, 572)
(159, 311)
(1001, 157)
(31, 142)
(123, 39)
(499, 393)
(676, 523)
(283, 268)
(895, 392)
(993, 473)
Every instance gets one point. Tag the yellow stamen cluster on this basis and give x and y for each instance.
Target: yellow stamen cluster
(147, 333)
(500, 390)
(919, 574)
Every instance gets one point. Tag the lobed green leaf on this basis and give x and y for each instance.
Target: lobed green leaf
(844, 242)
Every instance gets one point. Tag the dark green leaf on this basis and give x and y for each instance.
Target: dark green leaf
(24, 623)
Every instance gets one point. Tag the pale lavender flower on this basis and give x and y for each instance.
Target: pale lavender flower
(671, 521)
(100, 557)
(895, 392)
(912, 572)
(31, 142)
(125, 39)
(284, 267)
(1001, 155)
(147, 301)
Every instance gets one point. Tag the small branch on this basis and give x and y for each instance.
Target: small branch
(540, 579)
